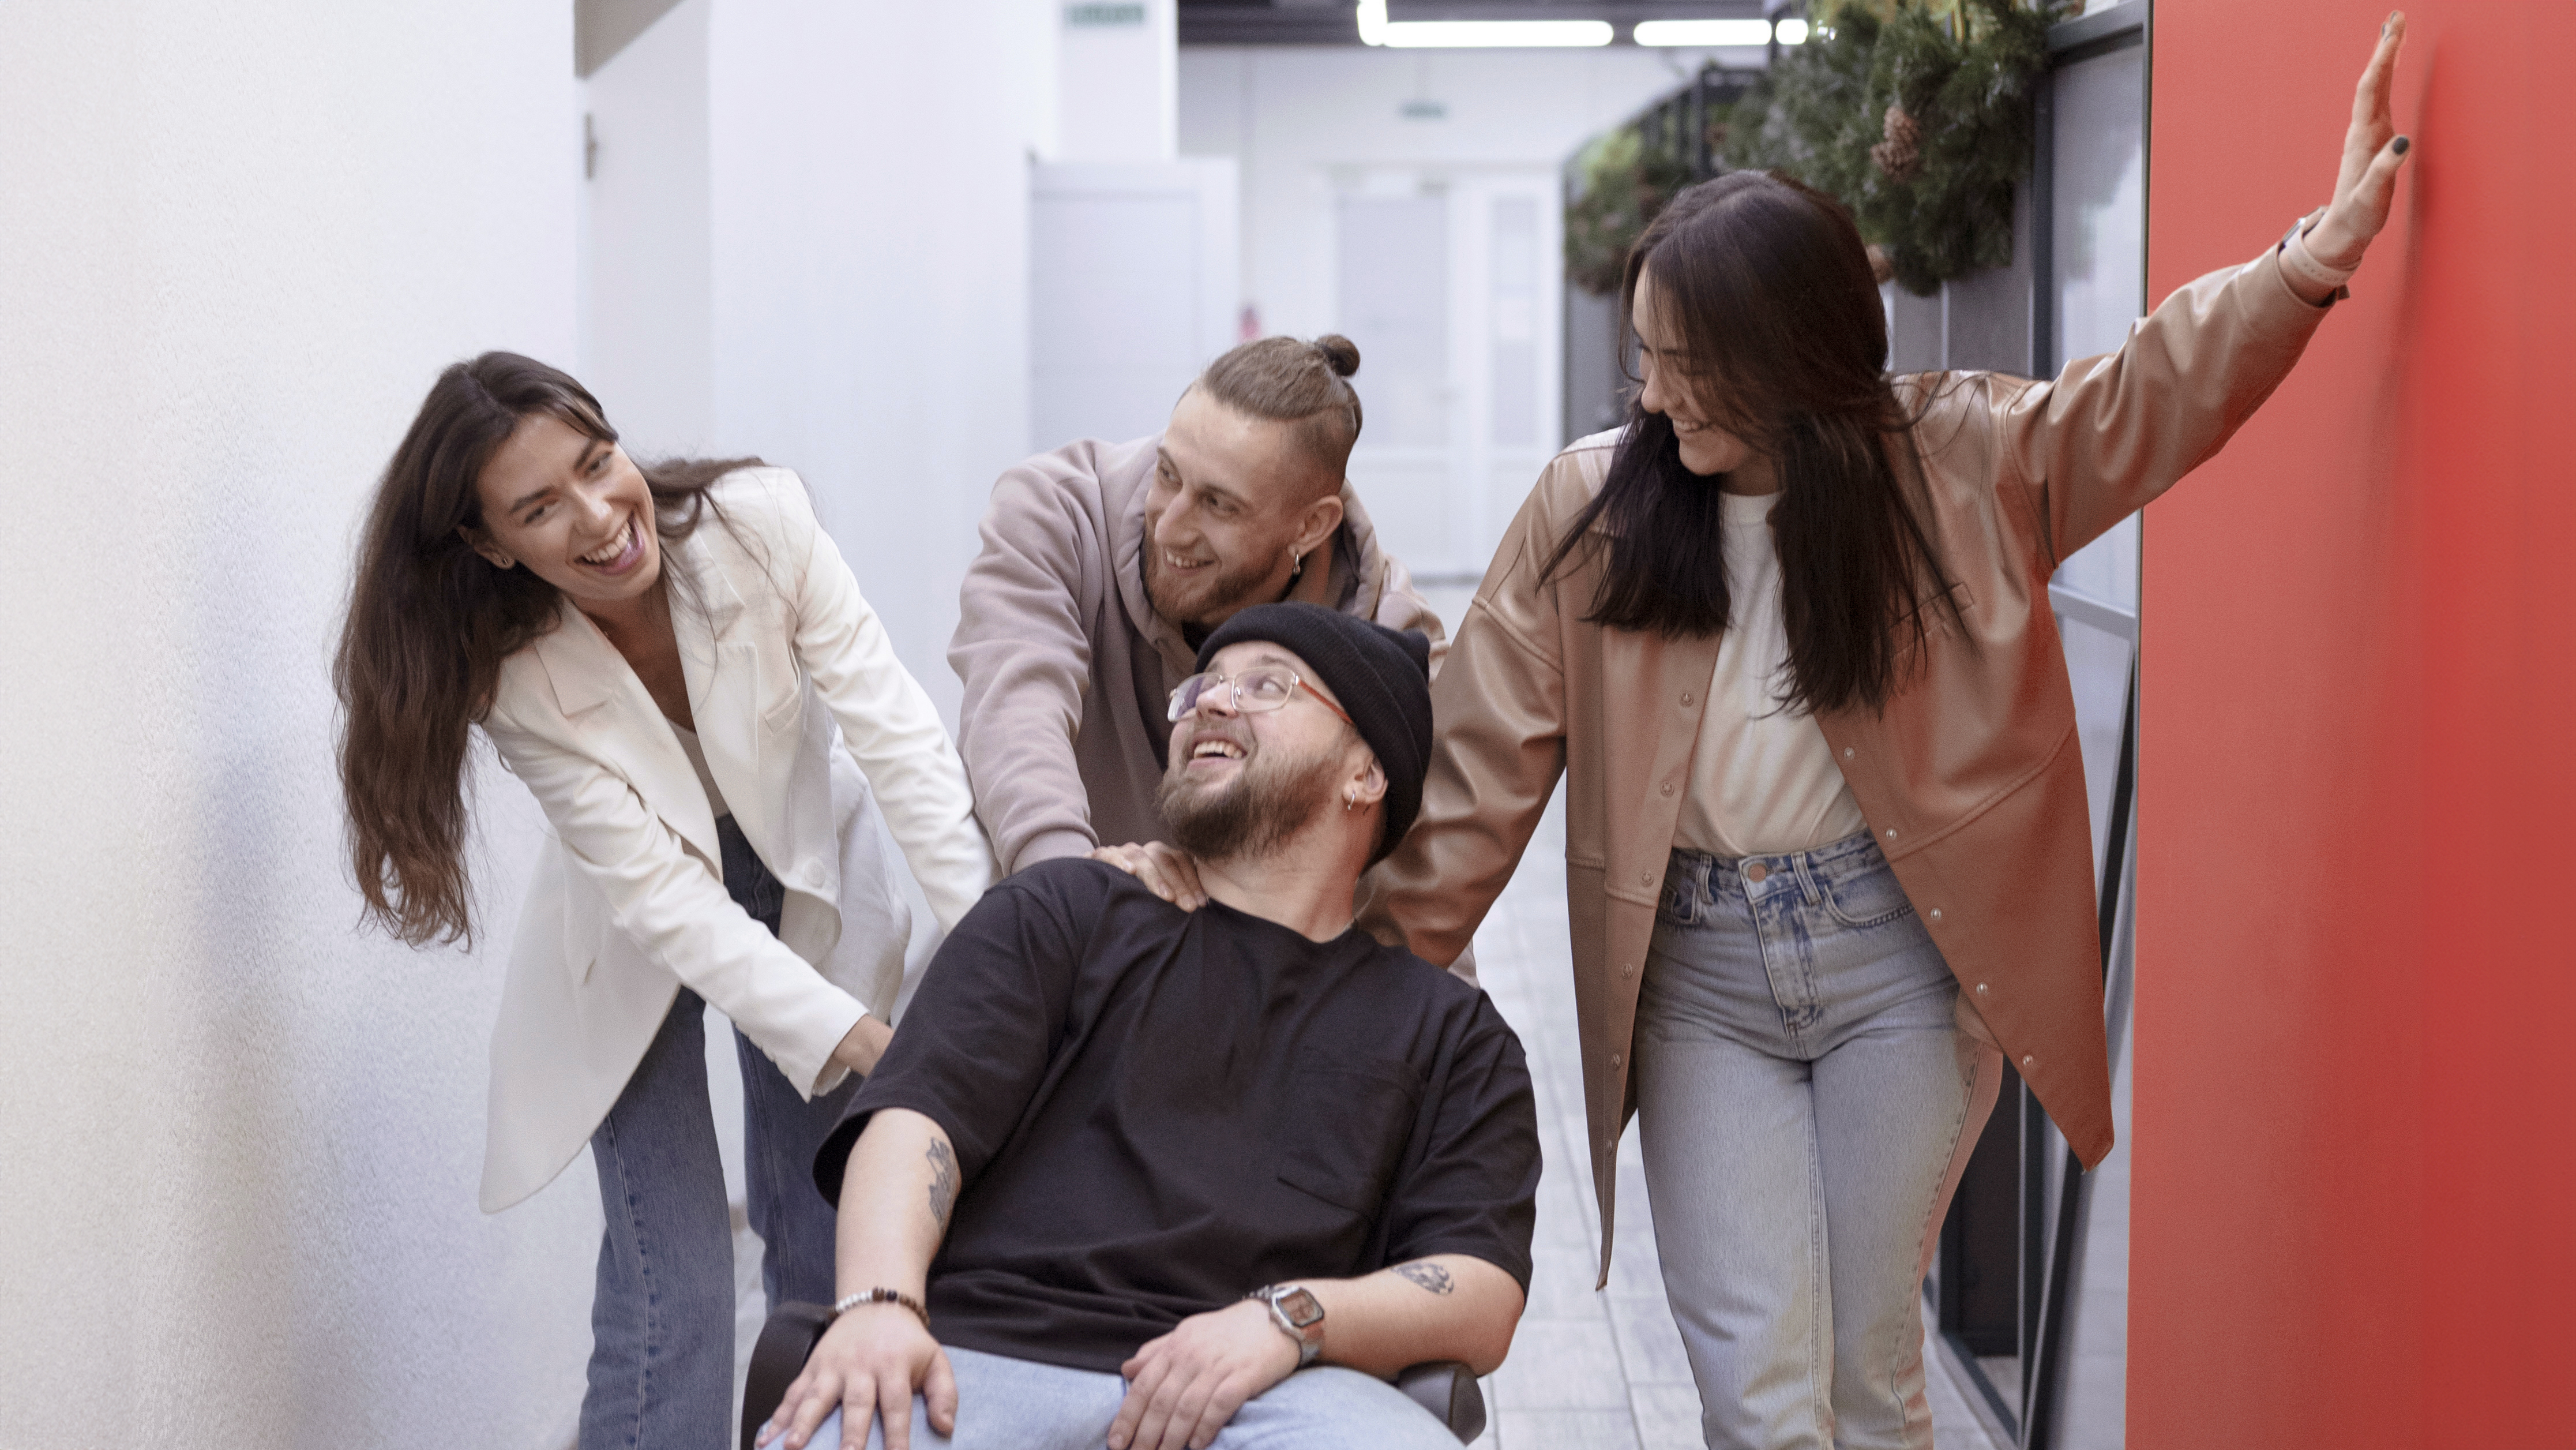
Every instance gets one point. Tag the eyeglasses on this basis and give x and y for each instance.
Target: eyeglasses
(1256, 691)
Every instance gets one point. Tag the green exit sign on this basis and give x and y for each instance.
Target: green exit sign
(1090, 17)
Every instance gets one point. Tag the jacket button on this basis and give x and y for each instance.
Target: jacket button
(1686, 699)
(1668, 787)
(1616, 1060)
(1645, 878)
(1936, 913)
(1981, 989)
(2028, 1062)
(1627, 969)
(1847, 752)
(1891, 833)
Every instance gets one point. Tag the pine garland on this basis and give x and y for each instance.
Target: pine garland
(1623, 182)
(1920, 125)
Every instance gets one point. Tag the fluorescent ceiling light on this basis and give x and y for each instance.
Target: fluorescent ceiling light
(1705, 32)
(1793, 32)
(1376, 29)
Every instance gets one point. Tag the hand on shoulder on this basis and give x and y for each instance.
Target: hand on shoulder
(1166, 870)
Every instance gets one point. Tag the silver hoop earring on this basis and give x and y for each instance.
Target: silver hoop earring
(1350, 800)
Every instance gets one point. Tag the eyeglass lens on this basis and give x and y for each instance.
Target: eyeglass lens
(1254, 690)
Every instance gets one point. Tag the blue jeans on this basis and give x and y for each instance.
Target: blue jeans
(1806, 1100)
(1018, 1404)
(662, 1317)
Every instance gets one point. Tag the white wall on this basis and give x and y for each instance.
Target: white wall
(647, 265)
(1303, 122)
(865, 276)
(1115, 85)
(238, 1139)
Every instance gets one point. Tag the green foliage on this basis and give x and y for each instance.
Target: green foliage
(1622, 183)
(1966, 81)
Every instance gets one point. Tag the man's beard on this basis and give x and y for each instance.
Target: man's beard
(1224, 593)
(1264, 805)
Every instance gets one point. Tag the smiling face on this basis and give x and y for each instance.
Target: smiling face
(1234, 499)
(1672, 389)
(1239, 784)
(573, 509)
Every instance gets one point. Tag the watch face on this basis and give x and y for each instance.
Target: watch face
(1301, 1307)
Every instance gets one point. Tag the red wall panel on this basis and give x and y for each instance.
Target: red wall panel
(2354, 1211)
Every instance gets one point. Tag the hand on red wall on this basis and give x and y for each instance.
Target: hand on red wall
(2372, 152)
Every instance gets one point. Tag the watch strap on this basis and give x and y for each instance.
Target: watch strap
(2299, 261)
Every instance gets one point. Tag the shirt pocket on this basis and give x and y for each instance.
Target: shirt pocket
(1344, 1129)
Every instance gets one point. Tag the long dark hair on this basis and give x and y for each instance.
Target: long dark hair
(1767, 286)
(430, 622)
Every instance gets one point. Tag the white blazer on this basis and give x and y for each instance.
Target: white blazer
(785, 664)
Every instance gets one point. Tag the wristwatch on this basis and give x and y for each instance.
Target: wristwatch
(1299, 1315)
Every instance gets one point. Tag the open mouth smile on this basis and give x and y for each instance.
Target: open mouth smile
(619, 554)
(1214, 750)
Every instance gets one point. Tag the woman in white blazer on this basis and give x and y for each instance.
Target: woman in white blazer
(676, 661)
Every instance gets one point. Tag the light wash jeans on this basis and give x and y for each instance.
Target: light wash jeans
(662, 1317)
(1017, 1404)
(1806, 1101)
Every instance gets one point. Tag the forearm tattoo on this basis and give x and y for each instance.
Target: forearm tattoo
(1429, 1275)
(943, 1182)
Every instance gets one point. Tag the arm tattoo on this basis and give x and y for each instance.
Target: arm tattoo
(943, 1182)
(1429, 1275)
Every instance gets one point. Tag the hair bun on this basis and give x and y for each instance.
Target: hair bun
(1342, 353)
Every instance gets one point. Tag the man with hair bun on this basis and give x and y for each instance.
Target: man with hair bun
(1104, 566)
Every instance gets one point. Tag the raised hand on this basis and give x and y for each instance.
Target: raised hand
(2366, 184)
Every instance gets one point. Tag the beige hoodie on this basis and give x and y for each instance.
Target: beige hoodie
(1067, 666)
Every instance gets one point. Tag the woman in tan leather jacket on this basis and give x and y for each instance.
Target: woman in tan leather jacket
(1787, 637)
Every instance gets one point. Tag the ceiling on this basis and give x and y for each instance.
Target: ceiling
(1332, 22)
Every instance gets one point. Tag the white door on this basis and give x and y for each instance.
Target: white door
(1448, 283)
(1132, 290)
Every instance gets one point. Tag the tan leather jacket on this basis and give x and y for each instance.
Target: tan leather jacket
(1971, 777)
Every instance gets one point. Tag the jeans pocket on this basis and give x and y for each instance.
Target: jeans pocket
(1682, 899)
(1866, 899)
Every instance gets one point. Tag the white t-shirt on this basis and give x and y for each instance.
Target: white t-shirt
(1762, 780)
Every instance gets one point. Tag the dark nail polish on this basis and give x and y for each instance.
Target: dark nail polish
(2400, 147)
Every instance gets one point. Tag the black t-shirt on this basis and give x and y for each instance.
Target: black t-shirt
(1156, 1111)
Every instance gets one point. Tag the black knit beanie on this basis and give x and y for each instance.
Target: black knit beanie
(1381, 677)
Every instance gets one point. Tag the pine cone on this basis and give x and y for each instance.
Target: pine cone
(1901, 154)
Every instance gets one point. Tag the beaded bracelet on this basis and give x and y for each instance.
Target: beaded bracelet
(848, 1302)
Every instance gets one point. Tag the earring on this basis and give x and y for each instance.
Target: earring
(1296, 566)
(505, 563)
(1350, 800)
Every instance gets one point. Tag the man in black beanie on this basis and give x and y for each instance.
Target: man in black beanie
(1383, 678)
(1157, 1177)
